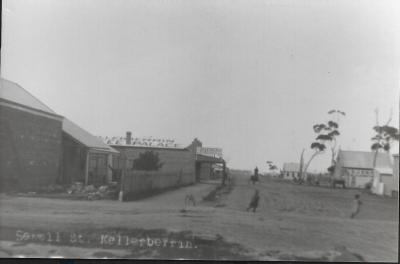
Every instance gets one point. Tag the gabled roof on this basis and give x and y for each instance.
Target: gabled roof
(291, 166)
(84, 137)
(13, 92)
(363, 159)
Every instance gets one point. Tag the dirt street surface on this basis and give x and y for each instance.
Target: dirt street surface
(292, 223)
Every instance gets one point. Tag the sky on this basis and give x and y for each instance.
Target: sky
(251, 77)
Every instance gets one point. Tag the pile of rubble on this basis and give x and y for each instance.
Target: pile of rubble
(92, 193)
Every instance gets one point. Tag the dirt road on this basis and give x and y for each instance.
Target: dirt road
(293, 222)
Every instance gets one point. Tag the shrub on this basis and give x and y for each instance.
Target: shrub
(147, 161)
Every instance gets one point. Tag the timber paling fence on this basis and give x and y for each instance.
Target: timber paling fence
(139, 184)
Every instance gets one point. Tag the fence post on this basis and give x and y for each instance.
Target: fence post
(121, 191)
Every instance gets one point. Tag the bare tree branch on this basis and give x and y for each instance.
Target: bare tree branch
(390, 116)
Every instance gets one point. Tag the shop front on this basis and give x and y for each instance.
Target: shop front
(209, 163)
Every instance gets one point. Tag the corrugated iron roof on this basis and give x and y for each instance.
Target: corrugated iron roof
(15, 93)
(291, 166)
(84, 137)
(364, 159)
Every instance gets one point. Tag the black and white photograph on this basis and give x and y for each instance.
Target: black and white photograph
(253, 130)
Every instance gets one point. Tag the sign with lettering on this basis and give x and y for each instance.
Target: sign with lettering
(104, 240)
(149, 142)
(206, 151)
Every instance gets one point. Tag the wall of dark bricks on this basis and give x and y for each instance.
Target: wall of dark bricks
(74, 161)
(30, 149)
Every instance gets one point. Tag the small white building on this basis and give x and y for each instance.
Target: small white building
(290, 170)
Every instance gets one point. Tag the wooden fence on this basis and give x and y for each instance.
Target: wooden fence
(136, 184)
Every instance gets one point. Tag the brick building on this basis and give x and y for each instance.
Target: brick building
(30, 139)
(39, 147)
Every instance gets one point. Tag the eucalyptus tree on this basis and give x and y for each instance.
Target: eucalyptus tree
(334, 133)
(326, 137)
(385, 136)
(272, 166)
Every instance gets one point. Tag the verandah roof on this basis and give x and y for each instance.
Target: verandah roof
(84, 137)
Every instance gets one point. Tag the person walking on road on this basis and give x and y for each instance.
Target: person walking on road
(254, 201)
(356, 206)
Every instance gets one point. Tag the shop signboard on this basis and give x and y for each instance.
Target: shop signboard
(207, 151)
(149, 142)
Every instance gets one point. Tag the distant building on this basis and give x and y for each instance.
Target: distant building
(38, 147)
(395, 190)
(356, 168)
(290, 170)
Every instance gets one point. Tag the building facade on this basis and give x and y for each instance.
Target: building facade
(175, 158)
(30, 140)
(356, 168)
(39, 147)
(290, 170)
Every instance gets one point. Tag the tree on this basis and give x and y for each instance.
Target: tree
(300, 177)
(385, 135)
(326, 137)
(271, 166)
(147, 161)
(334, 134)
(319, 148)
